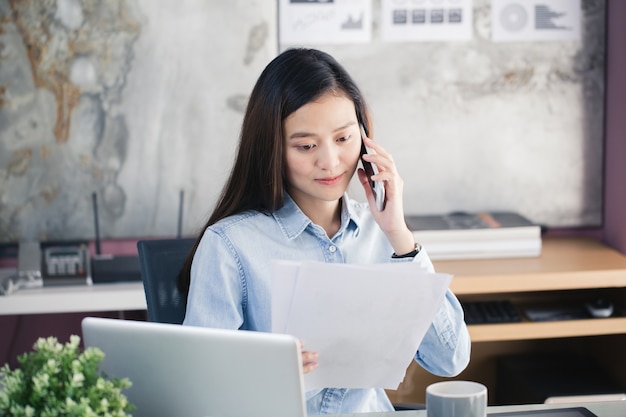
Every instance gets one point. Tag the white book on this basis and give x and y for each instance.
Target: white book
(519, 233)
(481, 249)
(476, 235)
(462, 227)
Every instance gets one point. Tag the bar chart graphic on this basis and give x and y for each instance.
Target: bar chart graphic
(535, 20)
(548, 19)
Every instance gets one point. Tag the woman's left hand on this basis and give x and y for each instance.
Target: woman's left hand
(309, 359)
(391, 218)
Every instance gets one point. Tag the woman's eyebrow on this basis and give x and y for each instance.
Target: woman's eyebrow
(299, 135)
(305, 134)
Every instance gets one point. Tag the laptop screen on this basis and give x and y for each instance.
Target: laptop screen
(198, 372)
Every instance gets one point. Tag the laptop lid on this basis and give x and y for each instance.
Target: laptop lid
(200, 372)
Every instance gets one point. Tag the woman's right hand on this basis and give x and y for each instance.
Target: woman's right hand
(391, 219)
(309, 360)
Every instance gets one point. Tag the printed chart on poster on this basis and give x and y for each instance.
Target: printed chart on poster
(536, 20)
(426, 20)
(305, 22)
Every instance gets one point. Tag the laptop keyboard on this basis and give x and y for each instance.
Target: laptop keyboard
(488, 312)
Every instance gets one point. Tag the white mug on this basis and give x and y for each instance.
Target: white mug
(456, 399)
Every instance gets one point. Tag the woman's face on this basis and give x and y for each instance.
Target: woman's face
(322, 148)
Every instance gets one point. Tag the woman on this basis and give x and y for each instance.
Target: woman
(286, 199)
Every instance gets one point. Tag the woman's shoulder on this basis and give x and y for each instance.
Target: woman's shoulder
(243, 220)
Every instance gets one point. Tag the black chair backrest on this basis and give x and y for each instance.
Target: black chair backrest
(160, 261)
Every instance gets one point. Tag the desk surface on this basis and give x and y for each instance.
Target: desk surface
(601, 409)
(564, 264)
(75, 298)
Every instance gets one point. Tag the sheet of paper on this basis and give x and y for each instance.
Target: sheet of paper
(282, 293)
(365, 321)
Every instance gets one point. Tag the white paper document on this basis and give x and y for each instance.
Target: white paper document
(427, 21)
(324, 22)
(536, 20)
(365, 321)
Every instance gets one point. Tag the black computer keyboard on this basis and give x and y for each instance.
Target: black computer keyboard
(487, 312)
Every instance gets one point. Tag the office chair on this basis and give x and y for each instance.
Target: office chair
(160, 261)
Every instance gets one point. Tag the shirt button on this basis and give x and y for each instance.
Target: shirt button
(332, 248)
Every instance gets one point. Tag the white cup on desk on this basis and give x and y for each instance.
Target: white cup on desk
(456, 399)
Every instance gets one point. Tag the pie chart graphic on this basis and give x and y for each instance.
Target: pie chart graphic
(513, 17)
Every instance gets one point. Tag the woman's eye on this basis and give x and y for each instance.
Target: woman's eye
(343, 139)
(305, 147)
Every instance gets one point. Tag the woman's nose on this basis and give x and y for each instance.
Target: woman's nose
(328, 157)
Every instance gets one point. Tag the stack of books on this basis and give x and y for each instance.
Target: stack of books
(462, 235)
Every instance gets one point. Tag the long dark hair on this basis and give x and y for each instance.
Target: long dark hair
(291, 80)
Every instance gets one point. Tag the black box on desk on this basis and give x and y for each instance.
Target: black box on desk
(115, 268)
(533, 378)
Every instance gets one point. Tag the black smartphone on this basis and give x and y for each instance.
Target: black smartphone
(378, 188)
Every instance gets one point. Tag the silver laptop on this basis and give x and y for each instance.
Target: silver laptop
(199, 372)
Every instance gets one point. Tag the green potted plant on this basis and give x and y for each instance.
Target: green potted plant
(61, 380)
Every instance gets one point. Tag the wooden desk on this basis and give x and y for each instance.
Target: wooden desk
(569, 271)
(601, 409)
(75, 298)
(565, 264)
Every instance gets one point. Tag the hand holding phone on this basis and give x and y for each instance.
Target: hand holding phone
(378, 188)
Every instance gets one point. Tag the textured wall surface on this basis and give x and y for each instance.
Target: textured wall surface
(133, 100)
(138, 100)
(492, 126)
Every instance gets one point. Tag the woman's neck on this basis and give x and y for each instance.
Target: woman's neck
(326, 214)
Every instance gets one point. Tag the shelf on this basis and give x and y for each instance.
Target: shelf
(564, 264)
(75, 298)
(546, 330)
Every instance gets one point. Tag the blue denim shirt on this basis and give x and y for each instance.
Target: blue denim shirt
(230, 286)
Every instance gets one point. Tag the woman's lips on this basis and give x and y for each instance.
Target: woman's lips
(330, 180)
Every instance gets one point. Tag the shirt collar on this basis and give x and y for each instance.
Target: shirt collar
(293, 221)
